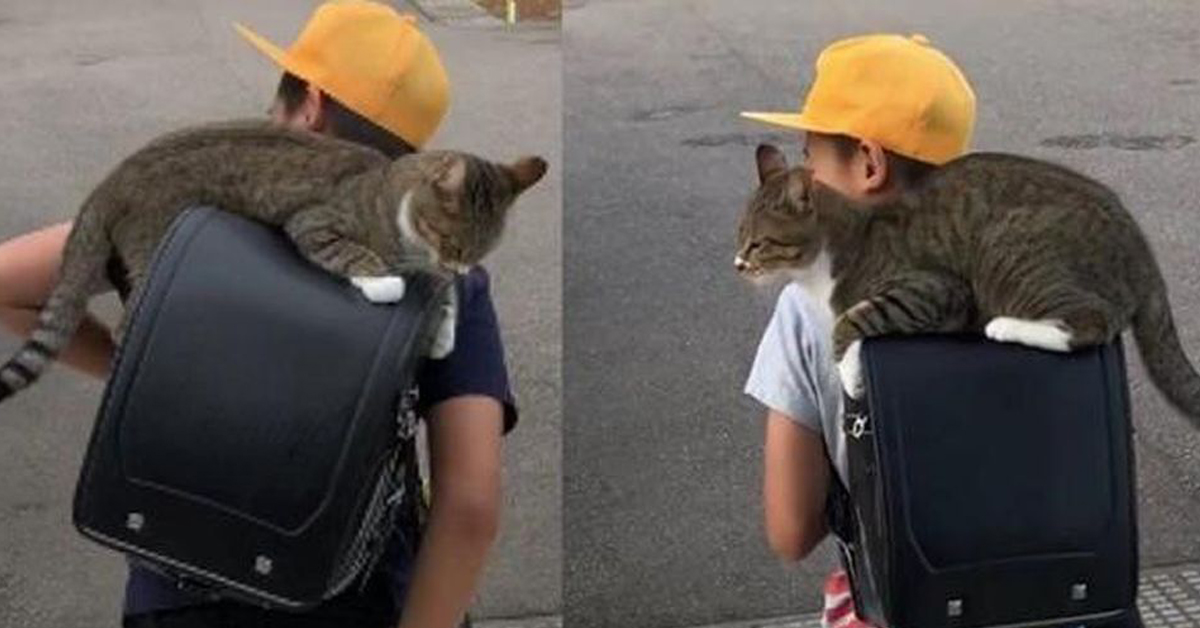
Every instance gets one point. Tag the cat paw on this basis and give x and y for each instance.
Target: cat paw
(380, 289)
(443, 342)
(850, 370)
(1049, 334)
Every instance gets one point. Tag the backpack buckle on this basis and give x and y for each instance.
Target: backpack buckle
(859, 424)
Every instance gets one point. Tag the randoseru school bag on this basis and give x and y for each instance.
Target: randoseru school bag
(990, 485)
(255, 437)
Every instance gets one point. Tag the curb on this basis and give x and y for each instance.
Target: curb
(451, 11)
(545, 621)
(809, 620)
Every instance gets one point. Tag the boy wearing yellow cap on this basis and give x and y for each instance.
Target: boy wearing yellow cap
(362, 72)
(882, 112)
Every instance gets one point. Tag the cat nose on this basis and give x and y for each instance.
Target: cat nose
(739, 263)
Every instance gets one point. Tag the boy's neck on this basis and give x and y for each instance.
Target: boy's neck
(843, 221)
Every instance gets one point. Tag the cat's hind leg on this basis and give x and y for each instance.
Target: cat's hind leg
(1050, 334)
(136, 283)
(1093, 323)
(136, 261)
(1072, 319)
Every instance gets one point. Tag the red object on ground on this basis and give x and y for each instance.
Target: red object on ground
(839, 605)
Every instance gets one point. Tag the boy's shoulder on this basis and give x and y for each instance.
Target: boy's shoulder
(475, 284)
(799, 308)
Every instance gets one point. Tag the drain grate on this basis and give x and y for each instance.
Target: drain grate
(1170, 598)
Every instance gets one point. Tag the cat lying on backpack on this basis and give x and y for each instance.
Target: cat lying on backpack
(348, 208)
(1023, 250)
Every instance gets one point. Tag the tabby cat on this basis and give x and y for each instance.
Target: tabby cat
(1023, 250)
(348, 208)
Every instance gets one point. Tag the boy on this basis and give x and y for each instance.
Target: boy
(883, 111)
(334, 83)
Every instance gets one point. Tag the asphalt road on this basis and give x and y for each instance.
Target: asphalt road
(661, 460)
(85, 83)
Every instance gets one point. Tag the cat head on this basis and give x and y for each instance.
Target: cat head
(460, 204)
(779, 230)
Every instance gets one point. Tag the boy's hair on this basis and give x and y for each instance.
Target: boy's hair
(343, 122)
(908, 172)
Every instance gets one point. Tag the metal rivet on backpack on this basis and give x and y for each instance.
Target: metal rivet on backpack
(135, 521)
(1079, 591)
(954, 608)
(262, 565)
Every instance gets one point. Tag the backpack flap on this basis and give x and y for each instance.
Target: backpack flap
(992, 484)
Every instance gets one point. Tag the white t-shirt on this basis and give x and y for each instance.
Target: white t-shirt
(794, 372)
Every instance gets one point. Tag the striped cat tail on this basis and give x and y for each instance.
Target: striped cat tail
(1168, 366)
(84, 258)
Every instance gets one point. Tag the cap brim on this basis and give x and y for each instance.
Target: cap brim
(275, 53)
(796, 121)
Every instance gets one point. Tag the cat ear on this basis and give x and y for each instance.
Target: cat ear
(770, 161)
(451, 179)
(526, 171)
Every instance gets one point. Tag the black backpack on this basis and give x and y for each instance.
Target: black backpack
(990, 485)
(255, 438)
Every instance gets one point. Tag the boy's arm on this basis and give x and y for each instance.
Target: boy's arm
(795, 481)
(793, 376)
(28, 267)
(465, 460)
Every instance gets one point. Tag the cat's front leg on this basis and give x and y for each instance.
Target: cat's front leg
(321, 239)
(850, 370)
(385, 289)
(910, 303)
(847, 350)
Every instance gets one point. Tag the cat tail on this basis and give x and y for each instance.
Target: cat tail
(1168, 366)
(85, 256)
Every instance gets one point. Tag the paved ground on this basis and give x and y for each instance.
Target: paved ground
(662, 515)
(1168, 597)
(548, 621)
(85, 83)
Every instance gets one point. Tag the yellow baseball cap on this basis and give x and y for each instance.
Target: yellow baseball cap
(371, 59)
(898, 91)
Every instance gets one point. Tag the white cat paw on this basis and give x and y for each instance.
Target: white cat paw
(380, 289)
(1049, 334)
(850, 370)
(443, 342)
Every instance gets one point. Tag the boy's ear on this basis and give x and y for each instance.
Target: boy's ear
(875, 166)
(313, 109)
(770, 161)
